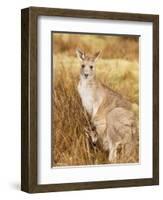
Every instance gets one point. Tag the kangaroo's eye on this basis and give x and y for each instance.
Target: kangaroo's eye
(91, 67)
(83, 66)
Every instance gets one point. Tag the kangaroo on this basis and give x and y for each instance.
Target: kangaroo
(114, 124)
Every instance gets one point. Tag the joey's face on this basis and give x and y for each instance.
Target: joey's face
(87, 64)
(94, 137)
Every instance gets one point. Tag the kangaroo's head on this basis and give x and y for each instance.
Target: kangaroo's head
(92, 135)
(87, 69)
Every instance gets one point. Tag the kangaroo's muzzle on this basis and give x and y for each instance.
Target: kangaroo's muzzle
(86, 75)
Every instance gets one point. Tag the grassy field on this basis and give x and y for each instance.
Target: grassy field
(117, 68)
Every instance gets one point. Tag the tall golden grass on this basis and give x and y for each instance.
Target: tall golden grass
(117, 68)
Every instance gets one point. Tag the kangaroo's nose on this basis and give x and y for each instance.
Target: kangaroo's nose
(86, 75)
(94, 144)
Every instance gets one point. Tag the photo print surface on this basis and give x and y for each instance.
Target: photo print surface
(95, 99)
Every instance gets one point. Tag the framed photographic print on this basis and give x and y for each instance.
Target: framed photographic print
(90, 99)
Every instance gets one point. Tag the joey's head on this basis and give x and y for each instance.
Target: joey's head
(87, 63)
(92, 135)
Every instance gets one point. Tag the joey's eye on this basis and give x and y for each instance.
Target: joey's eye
(83, 66)
(91, 67)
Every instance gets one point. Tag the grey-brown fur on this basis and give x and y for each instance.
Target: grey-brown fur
(111, 114)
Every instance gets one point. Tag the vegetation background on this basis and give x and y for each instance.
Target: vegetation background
(118, 68)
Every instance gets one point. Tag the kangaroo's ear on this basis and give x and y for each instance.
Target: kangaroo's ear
(80, 54)
(96, 55)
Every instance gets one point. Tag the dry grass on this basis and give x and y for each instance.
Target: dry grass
(70, 145)
(112, 47)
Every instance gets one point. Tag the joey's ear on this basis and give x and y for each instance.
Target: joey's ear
(80, 54)
(96, 55)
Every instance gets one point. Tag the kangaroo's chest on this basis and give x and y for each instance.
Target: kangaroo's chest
(87, 97)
